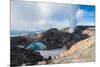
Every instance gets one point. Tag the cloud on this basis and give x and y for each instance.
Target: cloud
(80, 13)
(85, 17)
(32, 16)
(53, 9)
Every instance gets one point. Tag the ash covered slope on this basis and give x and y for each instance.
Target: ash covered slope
(82, 51)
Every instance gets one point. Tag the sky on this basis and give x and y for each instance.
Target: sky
(35, 16)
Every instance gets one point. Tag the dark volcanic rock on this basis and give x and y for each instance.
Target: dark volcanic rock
(21, 56)
(20, 40)
(54, 38)
(74, 38)
(77, 36)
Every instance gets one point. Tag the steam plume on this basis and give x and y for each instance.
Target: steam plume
(73, 23)
(69, 10)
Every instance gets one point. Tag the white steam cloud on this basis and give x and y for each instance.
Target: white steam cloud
(69, 10)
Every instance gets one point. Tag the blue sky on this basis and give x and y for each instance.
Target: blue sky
(89, 17)
(27, 16)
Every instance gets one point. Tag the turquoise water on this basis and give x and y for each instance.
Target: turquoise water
(37, 46)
